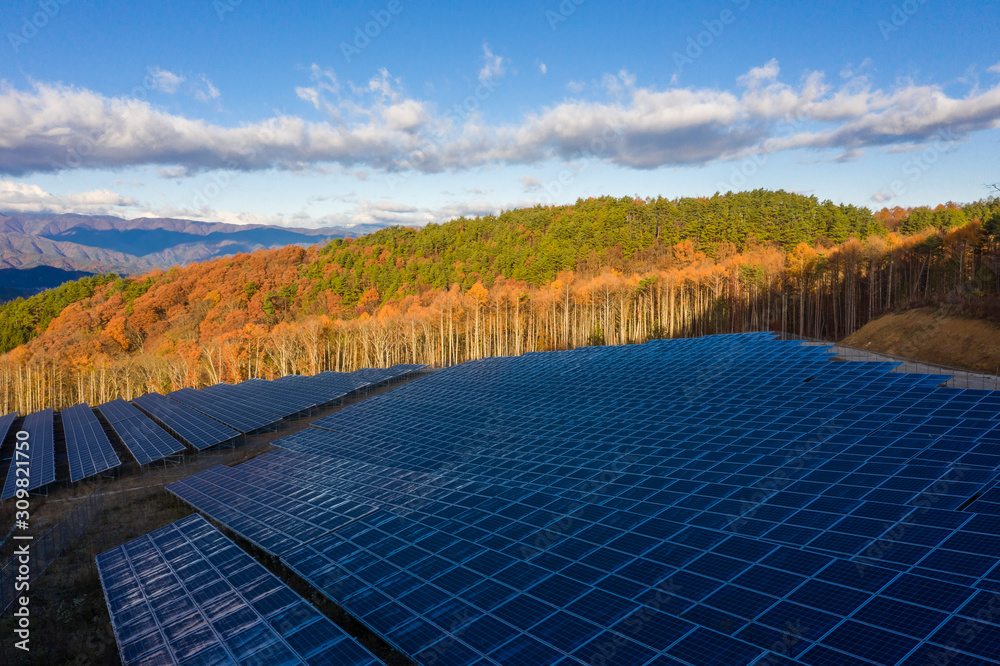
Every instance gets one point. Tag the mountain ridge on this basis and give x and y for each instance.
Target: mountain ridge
(104, 243)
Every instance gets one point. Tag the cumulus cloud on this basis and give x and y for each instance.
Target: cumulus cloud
(757, 75)
(165, 81)
(543, 68)
(494, 67)
(29, 198)
(377, 125)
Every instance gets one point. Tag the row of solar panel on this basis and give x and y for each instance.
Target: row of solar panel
(529, 513)
(257, 404)
(33, 463)
(185, 594)
(164, 425)
(88, 450)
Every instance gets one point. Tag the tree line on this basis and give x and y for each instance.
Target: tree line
(603, 271)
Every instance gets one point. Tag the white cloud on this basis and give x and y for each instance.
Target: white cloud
(494, 66)
(206, 93)
(995, 68)
(768, 72)
(530, 183)
(28, 198)
(543, 68)
(376, 125)
(165, 81)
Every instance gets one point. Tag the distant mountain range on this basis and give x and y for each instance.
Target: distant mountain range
(66, 247)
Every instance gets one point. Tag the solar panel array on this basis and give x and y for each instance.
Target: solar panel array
(275, 514)
(41, 467)
(243, 416)
(256, 404)
(193, 427)
(87, 446)
(730, 499)
(324, 388)
(376, 376)
(185, 594)
(200, 418)
(263, 392)
(146, 441)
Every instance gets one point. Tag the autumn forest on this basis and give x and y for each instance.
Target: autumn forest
(600, 271)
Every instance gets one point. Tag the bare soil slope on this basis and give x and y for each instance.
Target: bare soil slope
(933, 336)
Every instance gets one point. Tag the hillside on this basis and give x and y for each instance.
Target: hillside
(934, 336)
(602, 271)
(102, 244)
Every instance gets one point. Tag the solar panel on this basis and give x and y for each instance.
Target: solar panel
(146, 441)
(194, 428)
(6, 422)
(242, 416)
(324, 388)
(118, 410)
(732, 499)
(37, 465)
(186, 594)
(87, 446)
(272, 513)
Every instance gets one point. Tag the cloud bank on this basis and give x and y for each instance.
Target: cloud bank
(375, 125)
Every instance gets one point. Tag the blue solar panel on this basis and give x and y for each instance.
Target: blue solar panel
(6, 422)
(193, 427)
(272, 513)
(118, 410)
(730, 498)
(186, 594)
(87, 446)
(242, 416)
(146, 441)
(37, 465)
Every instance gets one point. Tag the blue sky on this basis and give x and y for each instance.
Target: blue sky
(398, 111)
